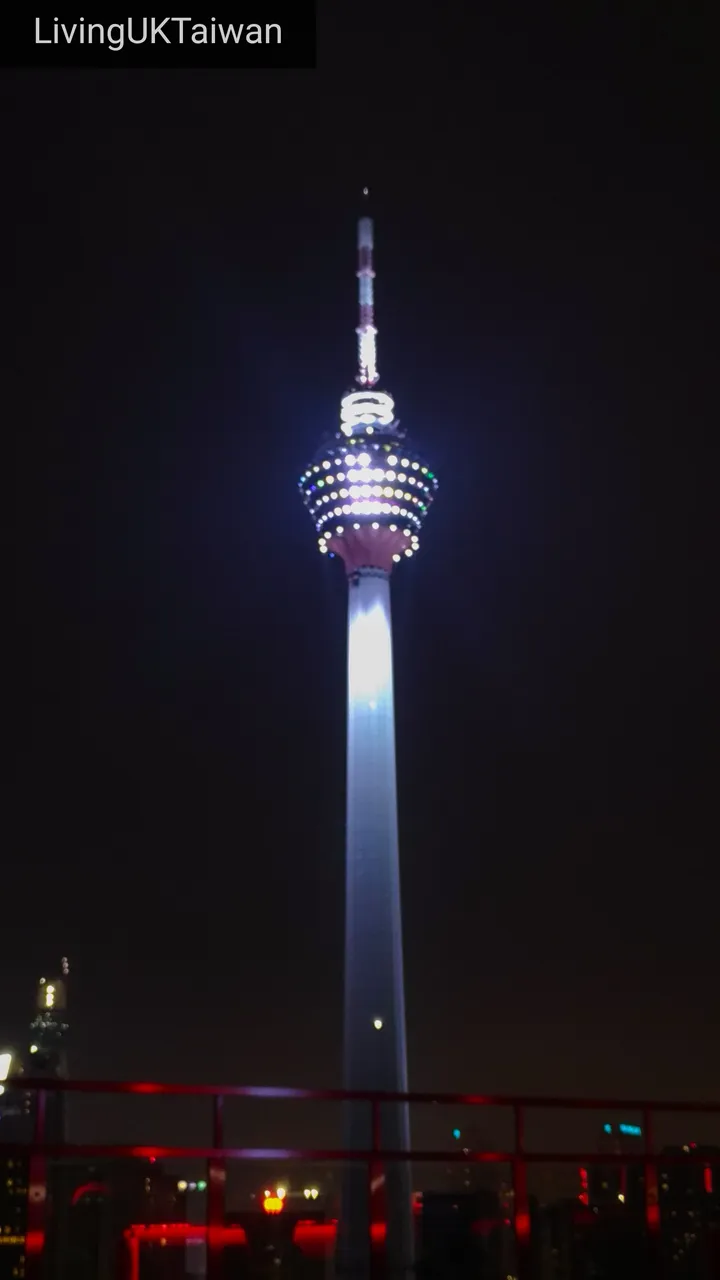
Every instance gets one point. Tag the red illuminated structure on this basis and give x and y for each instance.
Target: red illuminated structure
(313, 1239)
(318, 1237)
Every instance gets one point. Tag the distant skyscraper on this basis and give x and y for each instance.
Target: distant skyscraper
(608, 1185)
(48, 1046)
(368, 493)
(44, 1055)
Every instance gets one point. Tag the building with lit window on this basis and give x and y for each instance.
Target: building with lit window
(690, 1210)
(44, 1055)
(613, 1184)
(96, 1201)
(13, 1211)
(15, 1126)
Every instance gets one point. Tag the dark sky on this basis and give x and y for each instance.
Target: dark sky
(180, 300)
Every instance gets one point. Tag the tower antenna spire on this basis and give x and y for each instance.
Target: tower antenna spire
(367, 333)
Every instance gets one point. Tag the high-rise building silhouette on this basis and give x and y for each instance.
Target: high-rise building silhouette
(43, 1055)
(48, 1046)
(368, 492)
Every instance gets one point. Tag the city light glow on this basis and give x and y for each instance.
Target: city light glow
(273, 1204)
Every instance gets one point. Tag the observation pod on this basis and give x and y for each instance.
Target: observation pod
(368, 491)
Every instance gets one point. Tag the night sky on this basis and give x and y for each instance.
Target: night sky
(180, 303)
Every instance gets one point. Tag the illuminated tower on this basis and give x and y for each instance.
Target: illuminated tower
(368, 493)
(48, 1032)
(49, 1028)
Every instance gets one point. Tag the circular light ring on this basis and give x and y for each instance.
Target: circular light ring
(367, 410)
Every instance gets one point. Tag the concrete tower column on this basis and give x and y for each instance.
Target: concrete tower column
(374, 1041)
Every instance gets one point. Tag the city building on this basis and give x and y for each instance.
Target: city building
(613, 1184)
(368, 492)
(94, 1204)
(13, 1215)
(689, 1196)
(43, 1055)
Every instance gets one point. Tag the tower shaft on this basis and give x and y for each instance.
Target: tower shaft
(374, 1059)
(375, 1047)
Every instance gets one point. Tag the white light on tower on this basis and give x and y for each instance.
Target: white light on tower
(6, 1061)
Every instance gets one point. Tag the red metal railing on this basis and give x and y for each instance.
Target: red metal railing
(217, 1155)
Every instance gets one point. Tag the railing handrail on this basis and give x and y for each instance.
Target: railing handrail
(329, 1155)
(53, 1084)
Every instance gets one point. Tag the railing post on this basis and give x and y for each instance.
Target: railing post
(521, 1207)
(216, 1196)
(35, 1227)
(375, 1185)
(652, 1199)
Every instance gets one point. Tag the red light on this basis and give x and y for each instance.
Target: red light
(86, 1189)
(652, 1217)
(708, 1179)
(522, 1226)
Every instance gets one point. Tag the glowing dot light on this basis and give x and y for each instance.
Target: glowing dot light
(273, 1204)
